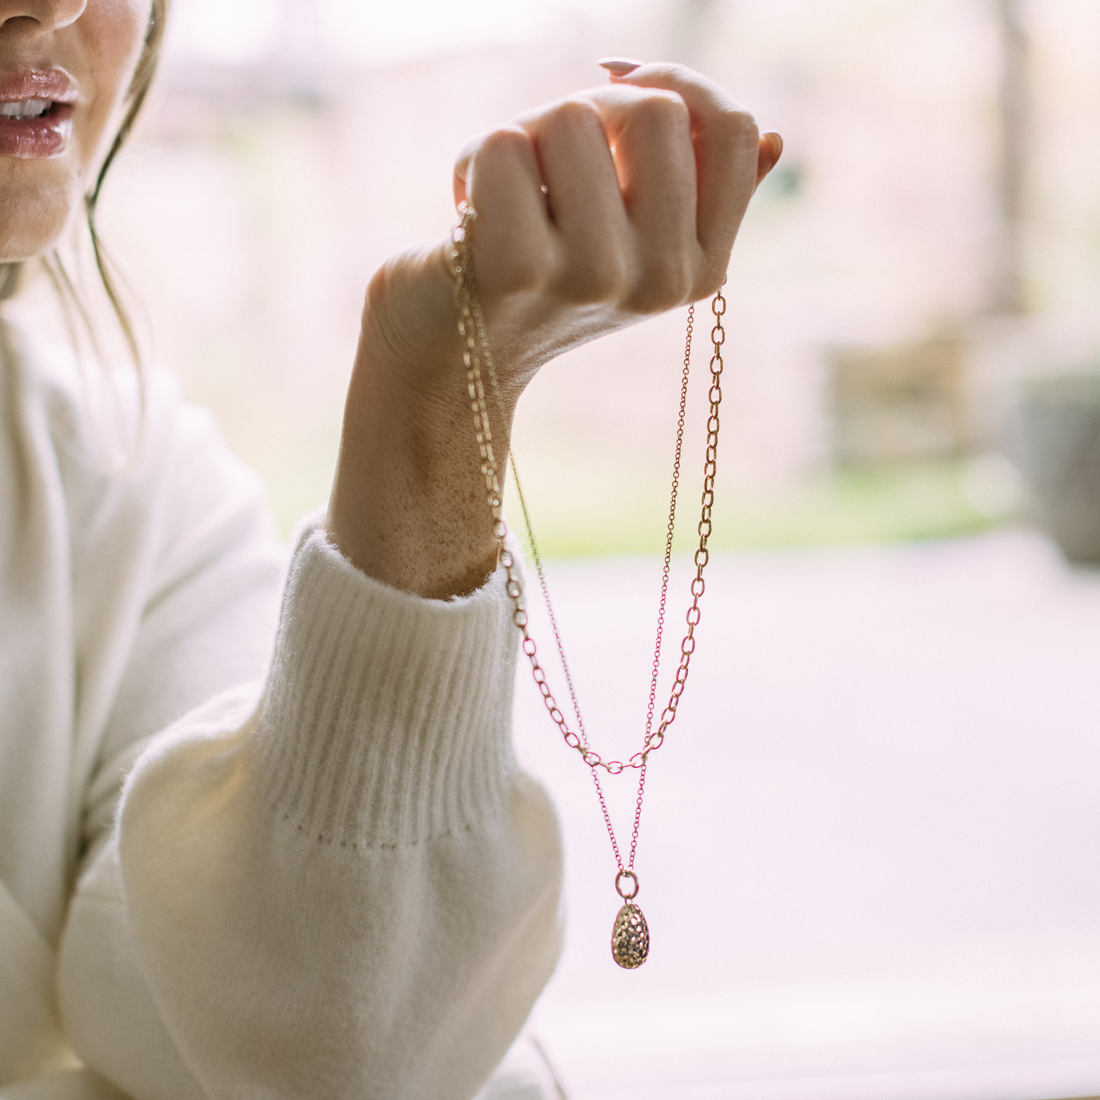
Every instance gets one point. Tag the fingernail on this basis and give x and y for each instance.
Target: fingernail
(777, 142)
(618, 66)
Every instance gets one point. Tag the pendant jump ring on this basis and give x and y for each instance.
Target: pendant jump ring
(619, 885)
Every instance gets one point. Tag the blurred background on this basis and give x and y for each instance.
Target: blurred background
(869, 856)
(930, 235)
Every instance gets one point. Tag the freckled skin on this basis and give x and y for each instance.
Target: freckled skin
(592, 213)
(98, 43)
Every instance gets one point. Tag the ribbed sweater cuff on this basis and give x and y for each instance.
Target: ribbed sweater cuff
(386, 717)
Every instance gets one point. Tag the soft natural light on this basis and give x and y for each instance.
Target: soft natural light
(868, 849)
(366, 34)
(381, 33)
(237, 31)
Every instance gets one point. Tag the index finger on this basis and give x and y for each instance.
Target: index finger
(727, 147)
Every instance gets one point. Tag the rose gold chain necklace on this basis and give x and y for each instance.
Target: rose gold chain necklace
(630, 933)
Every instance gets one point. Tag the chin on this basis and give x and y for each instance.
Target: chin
(34, 214)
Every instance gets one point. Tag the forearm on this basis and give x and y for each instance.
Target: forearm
(271, 909)
(408, 504)
(591, 213)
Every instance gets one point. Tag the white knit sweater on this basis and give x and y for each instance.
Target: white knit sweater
(327, 879)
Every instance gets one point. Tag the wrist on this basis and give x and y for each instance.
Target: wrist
(408, 505)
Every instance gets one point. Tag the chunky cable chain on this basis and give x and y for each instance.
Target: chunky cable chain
(476, 354)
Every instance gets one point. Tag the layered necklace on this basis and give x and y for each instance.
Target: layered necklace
(630, 932)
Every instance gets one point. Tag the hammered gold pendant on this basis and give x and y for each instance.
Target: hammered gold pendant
(630, 937)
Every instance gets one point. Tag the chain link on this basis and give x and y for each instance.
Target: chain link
(681, 417)
(475, 354)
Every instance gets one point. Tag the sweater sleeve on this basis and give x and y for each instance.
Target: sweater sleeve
(335, 883)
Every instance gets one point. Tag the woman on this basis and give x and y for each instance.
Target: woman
(233, 867)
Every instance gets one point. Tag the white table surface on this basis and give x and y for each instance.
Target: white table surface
(870, 851)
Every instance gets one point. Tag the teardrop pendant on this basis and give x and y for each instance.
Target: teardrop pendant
(630, 937)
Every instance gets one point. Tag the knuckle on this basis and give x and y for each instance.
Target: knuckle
(508, 141)
(664, 110)
(739, 126)
(574, 114)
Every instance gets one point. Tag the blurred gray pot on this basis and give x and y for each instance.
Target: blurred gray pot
(1057, 445)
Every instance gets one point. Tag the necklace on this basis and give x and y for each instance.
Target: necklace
(630, 932)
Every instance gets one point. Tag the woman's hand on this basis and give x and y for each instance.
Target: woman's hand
(591, 213)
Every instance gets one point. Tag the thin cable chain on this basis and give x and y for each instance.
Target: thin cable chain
(671, 527)
(680, 419)
(537, 557)
(471, 328)
(671, 520)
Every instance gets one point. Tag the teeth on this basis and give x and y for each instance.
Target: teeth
(29, 108)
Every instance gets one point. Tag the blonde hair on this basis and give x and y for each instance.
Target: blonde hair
(11, 273)
(139, 89)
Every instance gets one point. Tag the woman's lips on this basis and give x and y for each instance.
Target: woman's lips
(26, 130)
